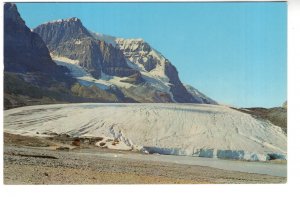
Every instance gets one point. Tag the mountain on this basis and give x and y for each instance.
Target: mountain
(31, 77)
(154, 65)
(62, 61)
(199, 96)
(24, 51)
(69, 38)
(27, 64)
(130, 66)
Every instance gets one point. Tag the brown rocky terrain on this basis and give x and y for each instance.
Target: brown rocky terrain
(276, 115)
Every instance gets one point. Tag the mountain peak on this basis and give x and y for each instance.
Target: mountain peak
(10, 6)
(67, 20)
(73, 19)
(131, 40)
(62, 30)
(12, 14)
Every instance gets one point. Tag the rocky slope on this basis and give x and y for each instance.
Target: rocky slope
(24, 51)
(30, 75)
(156, 66)
(27, 64)
(276, 115)
(199, 96)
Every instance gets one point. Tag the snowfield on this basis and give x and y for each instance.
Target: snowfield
(85, 79)
(178, 129)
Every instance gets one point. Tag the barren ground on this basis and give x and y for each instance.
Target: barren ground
(30, 160)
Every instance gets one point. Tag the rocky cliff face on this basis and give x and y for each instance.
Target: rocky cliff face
(69, 38)
(149, 60)
(138, 52)
(114, 62)
(180, 94)
(31, 77)
(202, 98)
(24, 51)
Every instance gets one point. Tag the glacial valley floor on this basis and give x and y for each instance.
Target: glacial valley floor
(29, 160)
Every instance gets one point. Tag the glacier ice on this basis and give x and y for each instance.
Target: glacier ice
(197, 130)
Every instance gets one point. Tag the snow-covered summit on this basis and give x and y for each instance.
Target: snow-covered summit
(139, 52)
(72, 19)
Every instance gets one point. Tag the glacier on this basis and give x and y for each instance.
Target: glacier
(197, 130)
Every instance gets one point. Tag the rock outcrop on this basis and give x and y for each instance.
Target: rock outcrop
(199, 96)
(69, 38)
(140, 53)
(31, 77)
(25, 51)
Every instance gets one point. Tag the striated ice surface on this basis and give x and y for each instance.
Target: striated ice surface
(173, 129)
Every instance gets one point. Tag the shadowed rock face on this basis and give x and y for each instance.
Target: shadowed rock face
(69, 38)
(25, 51)
(56, 32)
(200, 97)
(180, 93)
(114, 62)
(30, 75)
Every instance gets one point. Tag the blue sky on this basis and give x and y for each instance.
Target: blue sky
(233, 52)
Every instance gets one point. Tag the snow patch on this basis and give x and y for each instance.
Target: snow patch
(103, 37)
(64, 59)
(78, 42)
(84, 78)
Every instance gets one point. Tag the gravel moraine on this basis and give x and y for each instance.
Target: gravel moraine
(36, 165)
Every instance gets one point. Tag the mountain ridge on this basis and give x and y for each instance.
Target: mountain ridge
(139, 62)
(31, 77)
(62, 61)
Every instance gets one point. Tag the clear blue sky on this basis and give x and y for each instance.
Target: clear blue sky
(233, 52)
